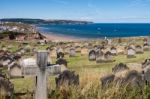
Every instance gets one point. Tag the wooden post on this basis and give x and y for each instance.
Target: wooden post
(41, 88)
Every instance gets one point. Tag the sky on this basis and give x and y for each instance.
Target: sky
(88, 10)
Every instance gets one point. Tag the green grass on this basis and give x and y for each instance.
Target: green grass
(83, 67)
(89, 72)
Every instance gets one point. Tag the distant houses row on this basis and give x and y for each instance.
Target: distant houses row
(17, 27)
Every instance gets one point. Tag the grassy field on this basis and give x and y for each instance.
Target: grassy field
(89, 73)
(87, 70)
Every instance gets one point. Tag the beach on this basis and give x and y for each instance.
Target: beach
(59, 38)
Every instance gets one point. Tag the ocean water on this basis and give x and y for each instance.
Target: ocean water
(99, 30)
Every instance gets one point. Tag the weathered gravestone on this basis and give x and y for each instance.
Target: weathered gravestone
(107, 80)
(60, 55)
(119, 67)
(67, 78)
(130, 52)
(72, 52)
(146, 69)
(92, 55)
(6, 87)
(40, 68)
(139, 49)
(113, 51)
(15, 71)
(61, 61)
(108, 57)
(99, 56)
(146, 47)
(133, 78)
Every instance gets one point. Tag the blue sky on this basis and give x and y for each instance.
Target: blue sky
(91, 10)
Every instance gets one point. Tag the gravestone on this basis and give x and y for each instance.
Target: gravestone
(146, 47)
(99, 56)
(130, 52)
(108, 57)
(60, 55)
(6, 86)
(119, 67)
(15, 71)
(145, 41)
(139, 49)
(133, 78)
(72, 52)
(41, 88)
(113, 51)
(61, 61)
(67, 78)
(107, 80)
(92, 55)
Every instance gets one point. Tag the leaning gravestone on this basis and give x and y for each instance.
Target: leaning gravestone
(146, 69)
(133, 78)
(67, 78)
(92, 55)
(119, 67)
(106, 80)
(6, 87)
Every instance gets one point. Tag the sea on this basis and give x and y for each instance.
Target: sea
(98, 30)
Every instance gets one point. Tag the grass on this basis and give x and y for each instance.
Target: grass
(85, 68)
(90, 73)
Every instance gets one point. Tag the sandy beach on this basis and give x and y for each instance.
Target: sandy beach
(58, 38)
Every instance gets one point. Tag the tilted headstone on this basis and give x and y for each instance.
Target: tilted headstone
(107, 80)
(133, 78)
(6, 86)
(92, 55)
(67, 78)
(119, 67)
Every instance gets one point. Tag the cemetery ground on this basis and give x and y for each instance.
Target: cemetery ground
(89, 73)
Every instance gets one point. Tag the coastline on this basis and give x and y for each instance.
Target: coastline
(65, 38)
(58, 38)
